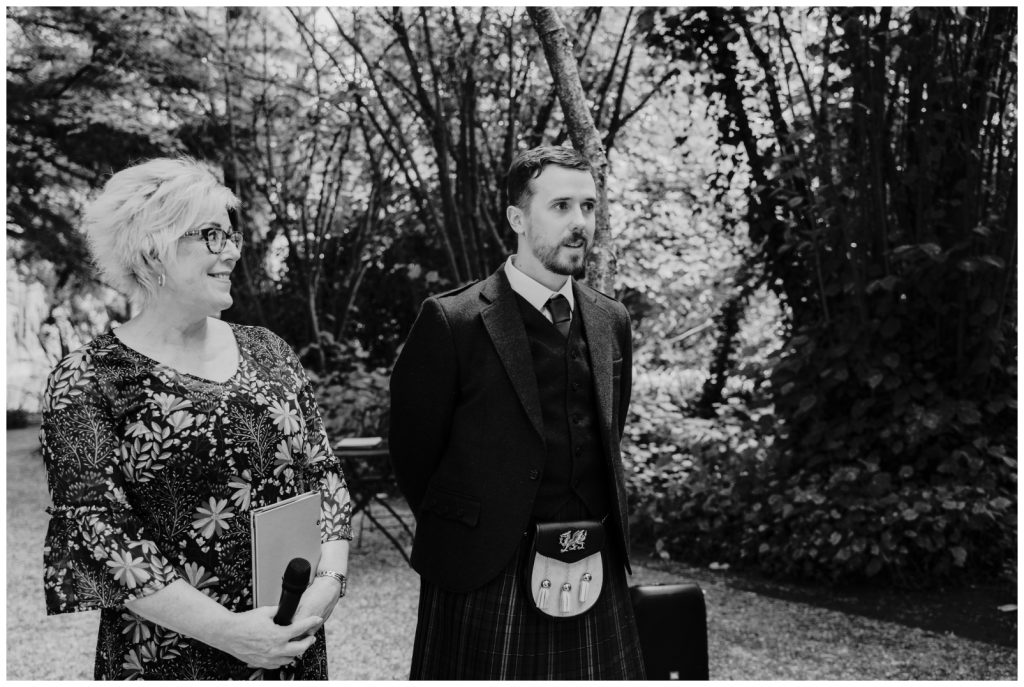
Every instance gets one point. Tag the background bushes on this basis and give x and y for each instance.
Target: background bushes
(714, 491)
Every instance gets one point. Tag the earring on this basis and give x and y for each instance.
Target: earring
(160, 281)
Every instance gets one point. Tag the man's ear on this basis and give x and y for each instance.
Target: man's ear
(514, 214)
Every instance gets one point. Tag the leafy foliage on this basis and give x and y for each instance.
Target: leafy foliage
(882, 164)
(706, 490)
(78, 82)
(353, 397)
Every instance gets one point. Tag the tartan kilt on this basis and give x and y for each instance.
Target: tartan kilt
(495, 632)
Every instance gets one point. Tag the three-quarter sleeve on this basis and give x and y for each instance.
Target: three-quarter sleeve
(97, 553)
(335, 501)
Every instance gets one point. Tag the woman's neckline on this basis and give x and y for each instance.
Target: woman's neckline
(205, 380)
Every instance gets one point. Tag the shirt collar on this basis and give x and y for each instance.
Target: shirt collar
(535, 293)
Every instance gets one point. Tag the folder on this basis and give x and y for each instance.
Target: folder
(280, 532)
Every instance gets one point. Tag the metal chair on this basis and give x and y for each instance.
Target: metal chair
(371, 483)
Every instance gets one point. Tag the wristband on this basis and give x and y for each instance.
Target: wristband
(334, 574)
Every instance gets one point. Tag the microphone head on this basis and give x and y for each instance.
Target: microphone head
(296, 575)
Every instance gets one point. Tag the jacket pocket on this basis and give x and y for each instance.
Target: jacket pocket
(452, 505)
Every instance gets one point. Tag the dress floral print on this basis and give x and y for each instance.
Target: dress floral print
(153, 474)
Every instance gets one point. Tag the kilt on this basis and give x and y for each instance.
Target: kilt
(495, 633)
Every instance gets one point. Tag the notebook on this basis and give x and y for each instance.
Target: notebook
(280, 532)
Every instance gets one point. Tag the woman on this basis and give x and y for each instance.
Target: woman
(161, 436)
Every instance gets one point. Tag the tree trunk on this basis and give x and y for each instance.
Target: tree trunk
(314, 322)
(584, 136)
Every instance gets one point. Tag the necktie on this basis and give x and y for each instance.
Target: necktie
(558, 306)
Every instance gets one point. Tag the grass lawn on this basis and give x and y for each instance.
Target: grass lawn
(369, 637)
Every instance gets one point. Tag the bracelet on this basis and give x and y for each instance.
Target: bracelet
(334, 574)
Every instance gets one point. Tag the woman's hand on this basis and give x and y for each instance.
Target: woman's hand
(253, 637)
(249, 636)
(318, 600)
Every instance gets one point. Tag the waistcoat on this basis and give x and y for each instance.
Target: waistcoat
(574, 482)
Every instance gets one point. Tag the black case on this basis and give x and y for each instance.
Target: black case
(672, 622)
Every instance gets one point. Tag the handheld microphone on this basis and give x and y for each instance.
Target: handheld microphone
(293, 583)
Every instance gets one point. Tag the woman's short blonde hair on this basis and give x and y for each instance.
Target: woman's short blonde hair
(133, 226)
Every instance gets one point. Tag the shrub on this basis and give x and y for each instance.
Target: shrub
(352, 396)
(682, 473)
(721, 491)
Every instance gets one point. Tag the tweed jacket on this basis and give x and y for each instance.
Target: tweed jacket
(467, 435)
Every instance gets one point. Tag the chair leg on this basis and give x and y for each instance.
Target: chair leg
(362, 523)
(391, 538)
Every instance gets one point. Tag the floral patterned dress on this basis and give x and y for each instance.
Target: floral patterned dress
(153, 474)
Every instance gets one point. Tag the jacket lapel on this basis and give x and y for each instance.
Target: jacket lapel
(504, 324)
(598, 325)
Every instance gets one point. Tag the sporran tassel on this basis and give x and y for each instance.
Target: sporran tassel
(542, 595)
(585, 587)
(566, 597)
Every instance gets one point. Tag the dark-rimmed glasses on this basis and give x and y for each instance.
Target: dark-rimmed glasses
(216, 238)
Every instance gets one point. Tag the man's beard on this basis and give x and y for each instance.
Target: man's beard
(548, 256)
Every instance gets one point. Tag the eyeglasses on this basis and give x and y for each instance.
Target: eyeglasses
(216, 238)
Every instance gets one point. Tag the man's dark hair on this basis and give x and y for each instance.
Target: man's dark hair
(530, 163)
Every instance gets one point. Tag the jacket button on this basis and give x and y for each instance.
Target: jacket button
(534, 474)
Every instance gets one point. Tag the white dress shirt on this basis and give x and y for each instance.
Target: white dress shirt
(535, 293)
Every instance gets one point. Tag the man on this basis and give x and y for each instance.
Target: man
(505, 415)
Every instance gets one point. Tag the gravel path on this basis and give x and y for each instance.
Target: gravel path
(369, 637)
